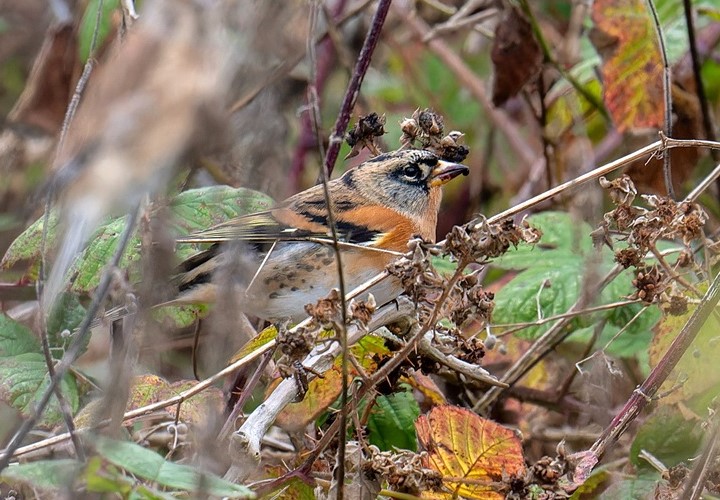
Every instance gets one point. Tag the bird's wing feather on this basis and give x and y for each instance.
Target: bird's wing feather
(260, 226)
(299, 222)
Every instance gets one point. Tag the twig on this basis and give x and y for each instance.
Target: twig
(470, 370)
(229, 425)
(77, 345)
(351, 94)
(80, 87)
(667, 93)
(704, 184)
(699, 86)
(454, 24)
(65, 407)
(62, 9)
(515, 327)
(151, 408)
(341, 329)
(644, 394)
(703, 466)
(593, 174)
(249, 436)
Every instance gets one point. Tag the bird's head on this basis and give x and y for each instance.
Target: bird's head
(408, 181)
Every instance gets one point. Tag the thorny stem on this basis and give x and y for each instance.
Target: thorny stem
(76, 347)
(703, 465)
(667, 93)
(644, 394)
(351, 94)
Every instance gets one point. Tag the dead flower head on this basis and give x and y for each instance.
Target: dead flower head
(361, 311)
(326, 312)
(404, 471)
(426, 128)
(364, 133)
(470, 302)
(484, 240)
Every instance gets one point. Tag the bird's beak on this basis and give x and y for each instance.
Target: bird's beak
(445, 171)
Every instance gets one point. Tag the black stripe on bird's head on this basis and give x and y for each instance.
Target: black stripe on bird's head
(403, 180)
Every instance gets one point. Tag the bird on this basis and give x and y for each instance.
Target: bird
(378, 206)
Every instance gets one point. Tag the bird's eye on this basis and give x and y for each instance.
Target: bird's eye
(412, 172)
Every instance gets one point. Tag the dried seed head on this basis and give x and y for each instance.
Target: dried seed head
(361, 311)
(326, 312)
(418, 277)
(622, 190)
(650, 282)
(483, 241)
(364, 133)
(676, 305)
(627, 257)
(404, 471)
(297, 344)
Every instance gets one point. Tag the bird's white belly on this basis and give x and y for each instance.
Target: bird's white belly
(300, 274)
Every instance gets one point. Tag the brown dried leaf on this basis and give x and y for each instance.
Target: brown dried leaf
(516, 56)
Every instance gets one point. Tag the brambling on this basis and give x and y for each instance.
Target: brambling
(378, 207)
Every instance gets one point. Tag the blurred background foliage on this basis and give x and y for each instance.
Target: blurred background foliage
(543, 92)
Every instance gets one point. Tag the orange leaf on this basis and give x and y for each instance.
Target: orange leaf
(321, 393)
(469, 451)
(632, 72)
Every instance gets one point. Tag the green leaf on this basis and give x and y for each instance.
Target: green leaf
(552, 276)
(23, 373)
(43, 474)
(669, 436)
(100, 478)
(192, 210)
(197, 209)
(148, 465)
(15, 338)
(23, 380)
(66, 315)
(26, 247)
(99, 252)
(87, 25)
(392, 422)
(633, 488)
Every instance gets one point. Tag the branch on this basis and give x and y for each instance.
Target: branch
(248, 437)
(643, 395)
(351, 94)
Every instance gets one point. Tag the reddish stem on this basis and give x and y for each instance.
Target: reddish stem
(643, 395)
(353, 89)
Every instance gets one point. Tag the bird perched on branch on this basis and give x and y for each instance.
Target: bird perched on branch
(377, 207)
